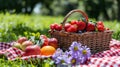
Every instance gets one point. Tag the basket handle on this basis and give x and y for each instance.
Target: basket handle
(71, 12)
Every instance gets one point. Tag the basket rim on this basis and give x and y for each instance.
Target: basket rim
(81, 33)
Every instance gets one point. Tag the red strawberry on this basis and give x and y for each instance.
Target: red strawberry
(73, 22)
(58, 27)
(90, 27)
(100, 23)
(81, 25)
(72, 28)
(100, 28)
(67, 25)
(52, 26)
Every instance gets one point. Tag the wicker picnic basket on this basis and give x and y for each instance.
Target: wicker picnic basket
(96, 41)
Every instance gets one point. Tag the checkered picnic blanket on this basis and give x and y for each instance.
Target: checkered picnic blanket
(109, 58)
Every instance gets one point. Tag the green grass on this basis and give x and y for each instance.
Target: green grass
(115, 26)
(23, 63)
(13, 26)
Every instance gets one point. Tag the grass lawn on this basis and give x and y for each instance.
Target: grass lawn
(12, 26)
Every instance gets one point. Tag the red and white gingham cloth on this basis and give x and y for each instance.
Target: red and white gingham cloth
(4, 46)
(109, 58)
(13, 53)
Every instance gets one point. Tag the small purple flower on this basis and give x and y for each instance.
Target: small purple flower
(74, 61)
(75, 47)
(63, 59)
(85, 53)
(58, 53)
(77, 54)
(67, 53)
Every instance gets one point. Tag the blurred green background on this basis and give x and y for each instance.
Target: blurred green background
(98, 9)
(20, 16)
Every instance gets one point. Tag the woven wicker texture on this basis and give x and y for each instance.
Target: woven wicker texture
(96, 41)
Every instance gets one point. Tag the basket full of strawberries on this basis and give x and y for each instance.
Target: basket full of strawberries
(94, 35)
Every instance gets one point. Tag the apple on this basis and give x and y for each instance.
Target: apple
(53, 42)
(44, 40)
(32, 50)
(17, 45)
(25, 44)
(21, 40)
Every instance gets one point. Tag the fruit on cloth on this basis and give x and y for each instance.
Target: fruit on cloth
(17, 45)
(53, 42)
(47, 50)
(44, 40)
(43, 36)
(81, 25)
(90, 27)
(21, 40)
(25, 44)
(32, 50)
(72, 28)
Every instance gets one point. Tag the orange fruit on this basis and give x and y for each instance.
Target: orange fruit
(47, 50)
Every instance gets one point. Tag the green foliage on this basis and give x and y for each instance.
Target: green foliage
(22, 63)
(13, 26)
(18, 6)
(115, 26)
(94, 8)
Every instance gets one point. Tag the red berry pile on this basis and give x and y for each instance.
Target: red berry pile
(79, 26)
